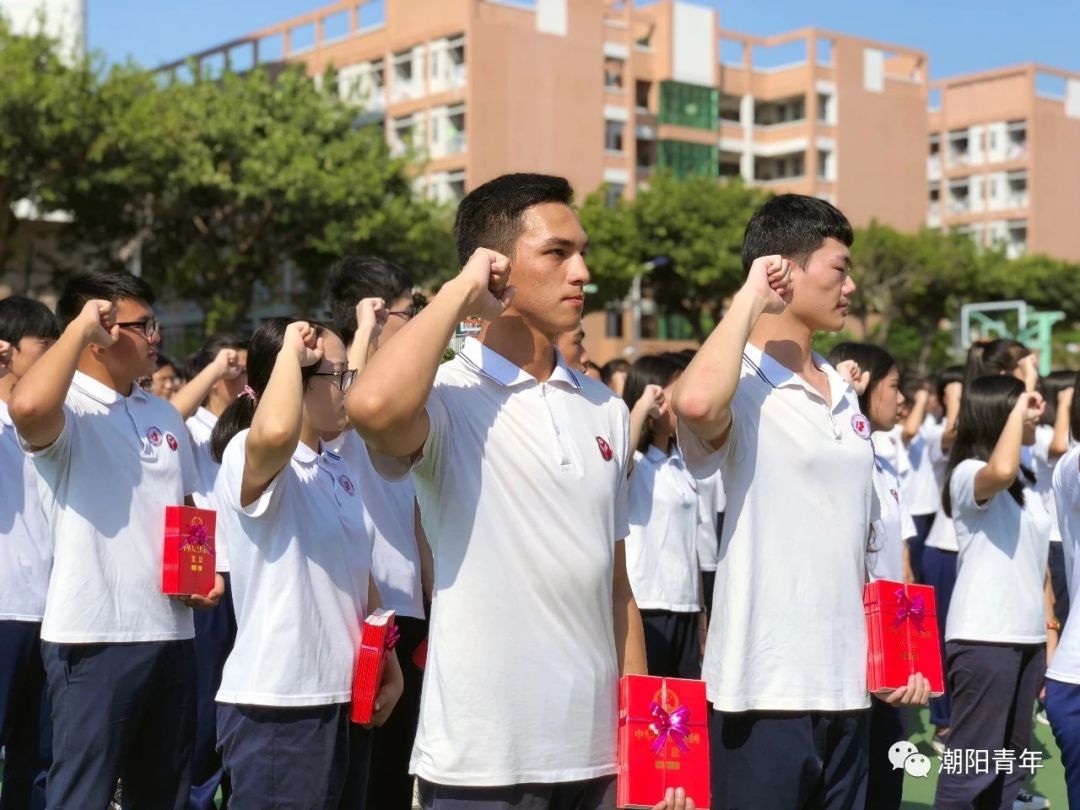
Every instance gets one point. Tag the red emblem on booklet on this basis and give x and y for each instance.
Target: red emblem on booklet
(663, 740)
(605, 448)
(901, 636)
(189, 551)
(378, 637)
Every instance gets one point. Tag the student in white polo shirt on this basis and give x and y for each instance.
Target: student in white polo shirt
(119, 656)
(996, 628)
(300, 557)
(370, 300)
(665, 517)
(1063, 671)
(27, 330)
(220, 374)
(785, 659)
(876, 378)
(520, 468)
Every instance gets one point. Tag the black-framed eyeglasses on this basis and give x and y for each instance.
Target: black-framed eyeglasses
(148, 328)
(405, 314)
(344, 378)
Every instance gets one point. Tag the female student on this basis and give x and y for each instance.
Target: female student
(996, 627)
(665, 513)
(299, 543)
(877, 383)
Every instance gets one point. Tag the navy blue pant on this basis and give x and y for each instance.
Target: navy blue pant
(939, 569)
(789, 760)
(1059, 581)
(215, 633)
(672, 644)
(1063, 709)
(888, 726)
(390, 787)
(917, 544)
(25, 728)
(294, 758)
(591, 794)
(993, 690)
(121, 711)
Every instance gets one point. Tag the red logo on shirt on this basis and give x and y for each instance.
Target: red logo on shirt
(346, 484)
(171, 440)
(154, 435)
(605, 448)
(861, 425)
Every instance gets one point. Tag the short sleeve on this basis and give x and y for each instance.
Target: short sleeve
(907, 525)
(622, 492)
(701, 458)
(1044, 437)
(962, 487)
(231, 478)
(1066, 482)
(392, 468)
(50, 462)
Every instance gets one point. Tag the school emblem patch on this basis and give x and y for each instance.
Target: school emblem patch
(154, 435)
(171, 441)
(605, 449)
(346, 484)
(861, 425)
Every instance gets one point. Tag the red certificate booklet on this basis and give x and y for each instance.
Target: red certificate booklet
(378, 637)
(901, 636)
(189, 551)
(663, 740)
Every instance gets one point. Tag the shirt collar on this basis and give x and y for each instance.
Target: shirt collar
(493, 365)
(5, 415)
(205, 418)
(780, 376)
(102, 393)
(304, 454)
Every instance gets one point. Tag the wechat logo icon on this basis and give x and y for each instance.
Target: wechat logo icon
(904, 754)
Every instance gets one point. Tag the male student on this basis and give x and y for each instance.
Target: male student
(785, 658)
(520, 467)
(119, 656)
(27, 329)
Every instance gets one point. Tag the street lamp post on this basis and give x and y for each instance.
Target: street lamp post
(635, 300)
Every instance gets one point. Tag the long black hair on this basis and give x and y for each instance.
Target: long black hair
(985, 409)
(870, 358)
(1050, 386)
(987, 357)
(263, 350)
(651, 369)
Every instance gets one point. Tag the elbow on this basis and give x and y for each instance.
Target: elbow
(368, 411)
(693, 407)
(22, 409)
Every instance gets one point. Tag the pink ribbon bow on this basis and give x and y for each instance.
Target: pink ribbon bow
(913, 609)
(674, 725)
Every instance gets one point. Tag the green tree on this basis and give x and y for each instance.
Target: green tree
(697, 222)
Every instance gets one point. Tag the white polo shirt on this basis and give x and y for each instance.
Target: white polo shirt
(104, 485)
(921, 491)
(892, 529)
(1065, 665)
(665, 519)
(998, 595)
(523, 490)
(200, 427)
(395, 556)
(25, 543)
(713, 502)
(798, 473)
(1044, 475)
(300, 557)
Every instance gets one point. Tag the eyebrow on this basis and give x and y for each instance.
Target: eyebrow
(558, 241)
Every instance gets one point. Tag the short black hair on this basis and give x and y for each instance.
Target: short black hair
(210, 348)
(613, 367)
(108, 285)
(24, 317)
(490, 216)
(354, 278)
(164, 360)
(793, 226)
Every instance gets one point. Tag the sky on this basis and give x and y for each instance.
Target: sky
(960, 36)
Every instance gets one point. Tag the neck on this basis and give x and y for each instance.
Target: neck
(521, 344)
(216, 404)
(786, 340)
(89, 366)
(662, 441)
(6, 384)
(310, 436)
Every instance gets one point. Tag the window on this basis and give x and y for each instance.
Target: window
(613, 74)
(824, 164)
(613, 136)
(614, 194)
(641, 94)
(824, 108)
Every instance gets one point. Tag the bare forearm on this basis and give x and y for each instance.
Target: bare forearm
(629, 636)
(915, 417)
(1004, 463)
(1059, 446)
(188, 399)
(275, 428)
(704, 392)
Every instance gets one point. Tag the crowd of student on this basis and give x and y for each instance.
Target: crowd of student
(540, 526)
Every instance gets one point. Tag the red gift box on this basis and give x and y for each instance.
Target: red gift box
(663, 740)
(901, 636)
(377, 639)
(189, 567)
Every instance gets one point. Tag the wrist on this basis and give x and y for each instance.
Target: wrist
(750, 299)
(462, 292)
